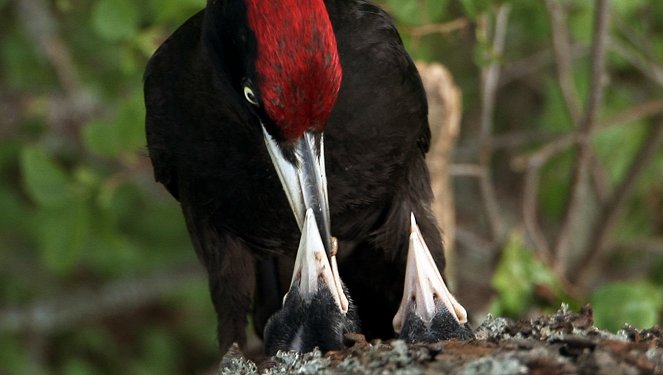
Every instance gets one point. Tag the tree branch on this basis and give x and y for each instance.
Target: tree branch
(58, 314)
(490, 79)
(582, 164)
(563, 142)
(611, 211)
(439, 28)
(41, 26)
(564, 59)
(529, 207)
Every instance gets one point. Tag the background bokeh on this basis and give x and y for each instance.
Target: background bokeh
(557, 175)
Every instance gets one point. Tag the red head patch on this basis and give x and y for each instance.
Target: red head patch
(297, 62)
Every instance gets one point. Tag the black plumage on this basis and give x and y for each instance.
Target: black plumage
(206, 145)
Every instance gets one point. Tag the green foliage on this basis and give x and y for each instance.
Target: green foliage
(80, 209)
(45, 181)
(416, 12)
(635, 303)
(476, 8)
(517, 276)
(79, 205)
(120, 136)
(115, 20)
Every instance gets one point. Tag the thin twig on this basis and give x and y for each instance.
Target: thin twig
(642, 245)
(535, 63)
(439, 28)
(564, 59)
(582, 164)
(45, 317)
(545, 153)
(41, 26)
(599, 178)
(647, 67)
(610, 212)
(563, 142)
(518, 139)
(529, 206)
(639, 56)
(471, 170)
(635, 113)
(490, 79)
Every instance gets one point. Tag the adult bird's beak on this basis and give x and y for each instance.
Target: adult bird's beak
(304, 181)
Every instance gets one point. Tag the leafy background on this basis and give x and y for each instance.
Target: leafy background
(98, 275)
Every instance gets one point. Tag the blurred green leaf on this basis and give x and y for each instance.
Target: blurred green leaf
(625, 9)
(160, 350)
(517, 275)
(417, 12)
(9, 154)
(147, 41)
(44, 180)
(13, 211)
(130, 124)
(616, 147)
(115, 20)
(124, 134)
(78, 366)
(21, 67)
(475, 8)
(61, 232)
(175, 11)
(579, 20)
(14, 359)
(636, 303)
(554, 185)
(101, 138)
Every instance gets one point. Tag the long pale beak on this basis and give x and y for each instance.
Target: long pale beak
(304, 181)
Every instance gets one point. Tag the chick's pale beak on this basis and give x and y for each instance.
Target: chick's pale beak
(304, 181)
(425, 289)
(312, 268)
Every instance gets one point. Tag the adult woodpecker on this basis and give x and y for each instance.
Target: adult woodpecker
(259, 111)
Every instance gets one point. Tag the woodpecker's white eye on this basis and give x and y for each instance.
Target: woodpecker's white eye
(250, 96)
